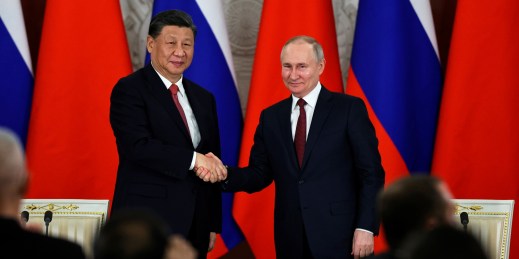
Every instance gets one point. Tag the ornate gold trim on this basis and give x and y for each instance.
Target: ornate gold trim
(52, 207)
(472, 208)
(100, 220)
(506, 222)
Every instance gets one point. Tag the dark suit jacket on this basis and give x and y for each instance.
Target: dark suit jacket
(155, 152)
(16, 242)
(335, 191)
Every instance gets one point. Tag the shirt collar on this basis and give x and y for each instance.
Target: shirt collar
(168, 83)
(310, 98)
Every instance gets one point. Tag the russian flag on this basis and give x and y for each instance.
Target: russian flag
(16, 78)
(395, 68)
(212, 68)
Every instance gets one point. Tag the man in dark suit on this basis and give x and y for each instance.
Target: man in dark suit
(163, 123)
(16, 242)
(327, 169)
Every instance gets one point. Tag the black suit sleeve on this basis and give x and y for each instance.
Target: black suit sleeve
(369, 171)
(258, 174)
(215, 224)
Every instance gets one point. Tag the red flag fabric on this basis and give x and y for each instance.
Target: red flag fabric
(71, 150)
(477, 146)
(280, 21)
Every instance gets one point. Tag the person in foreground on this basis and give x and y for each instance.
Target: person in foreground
(445, 242)
(16, 242)
(163, 124)
(321, 151)
(410, 206)
(140, 234)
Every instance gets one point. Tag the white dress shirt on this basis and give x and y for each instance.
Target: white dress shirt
(311, 100)
(190, 116)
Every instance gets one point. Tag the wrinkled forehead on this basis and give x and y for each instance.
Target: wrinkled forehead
(171, 32)
(298, 52)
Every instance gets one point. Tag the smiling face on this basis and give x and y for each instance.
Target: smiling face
(300, 68)
(172, 51)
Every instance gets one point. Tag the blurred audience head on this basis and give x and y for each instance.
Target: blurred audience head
(411, 204)
(13, 173)
(445, 242)
(132, 234)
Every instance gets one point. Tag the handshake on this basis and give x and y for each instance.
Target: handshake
(210, 168)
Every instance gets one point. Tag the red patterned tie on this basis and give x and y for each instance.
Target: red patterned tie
(300, 136)
(174, 91)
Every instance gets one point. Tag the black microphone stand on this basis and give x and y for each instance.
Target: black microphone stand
(464, 216)
(25, 217)
(46, 228)
(47, 218)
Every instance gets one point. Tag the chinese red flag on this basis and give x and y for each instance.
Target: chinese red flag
(477, 146)
(71, 149)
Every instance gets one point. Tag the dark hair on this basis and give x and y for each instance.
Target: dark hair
(171, 17)
(132, 233)
(407, 204)
(445, 242)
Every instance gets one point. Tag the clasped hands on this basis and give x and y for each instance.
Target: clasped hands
(210, 168)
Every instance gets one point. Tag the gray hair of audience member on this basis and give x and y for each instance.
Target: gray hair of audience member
(170, 18)
(132, 234)
(318, 49)
(411, 204)
(13, 170)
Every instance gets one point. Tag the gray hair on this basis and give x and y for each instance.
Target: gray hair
(13, 172)
(318, 49)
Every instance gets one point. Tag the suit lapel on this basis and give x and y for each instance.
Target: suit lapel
(322, 110)
(286, 130)
(163, 96)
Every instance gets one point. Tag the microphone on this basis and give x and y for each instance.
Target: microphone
(464, 217)
(47, 217)
(25, 216)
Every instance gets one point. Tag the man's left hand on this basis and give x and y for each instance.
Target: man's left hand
(212, 240)
(362, 244)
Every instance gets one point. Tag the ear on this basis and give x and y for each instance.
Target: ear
(322, 64)
(150, 43)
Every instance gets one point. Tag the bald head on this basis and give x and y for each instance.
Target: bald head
(13, 173)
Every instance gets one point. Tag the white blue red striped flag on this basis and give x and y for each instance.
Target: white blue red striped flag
(16, 77)
(395, 68)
